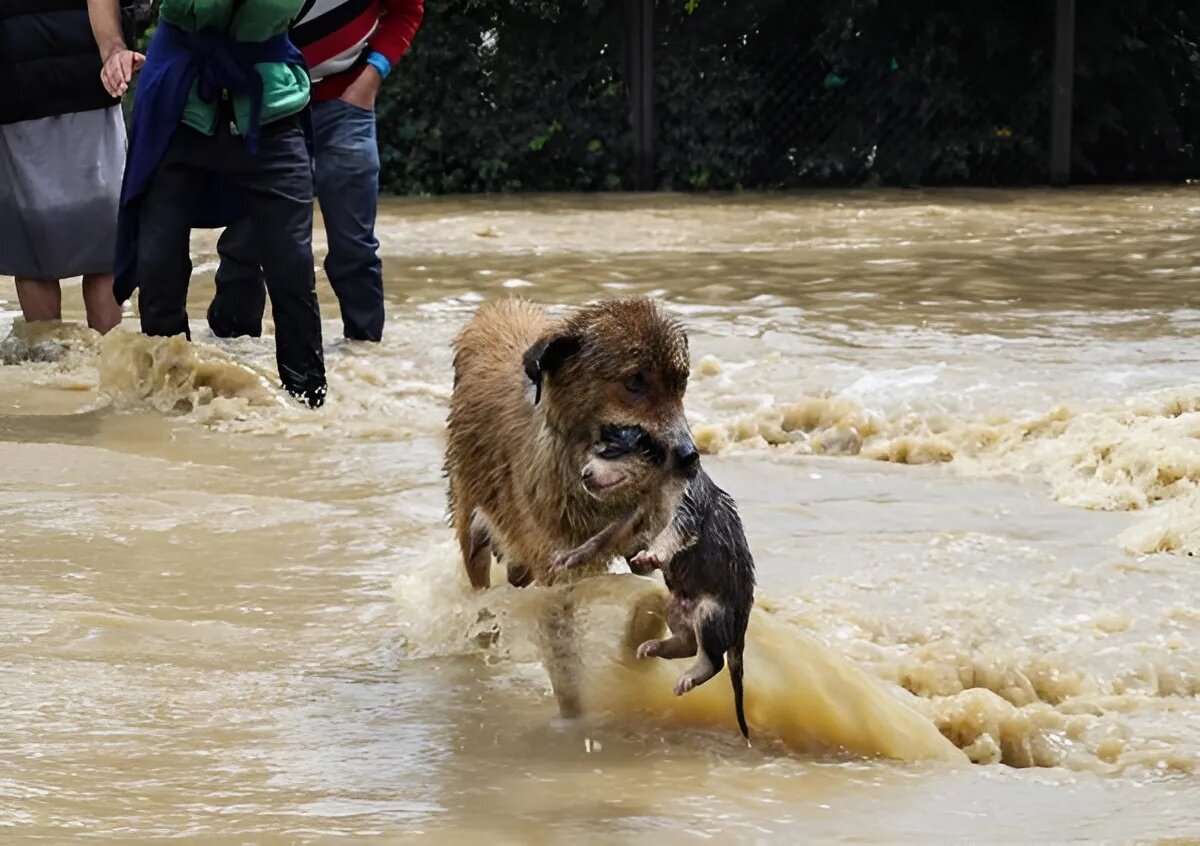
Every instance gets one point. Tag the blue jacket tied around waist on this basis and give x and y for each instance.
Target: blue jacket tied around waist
(175, 60)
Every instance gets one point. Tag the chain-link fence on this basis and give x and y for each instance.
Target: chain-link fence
(563, 95)
(775, 93)
(782, 94)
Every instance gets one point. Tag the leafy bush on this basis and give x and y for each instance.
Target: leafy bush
(533, 95)
(1137, 90)
(502, 96)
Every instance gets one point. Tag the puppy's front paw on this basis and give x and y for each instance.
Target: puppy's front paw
(644, 563)
(649, 649)
(565, 559)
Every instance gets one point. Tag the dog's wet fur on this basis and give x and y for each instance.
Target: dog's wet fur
(531, 397)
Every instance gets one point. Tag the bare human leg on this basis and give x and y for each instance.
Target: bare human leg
(103, 311)
(40, 299)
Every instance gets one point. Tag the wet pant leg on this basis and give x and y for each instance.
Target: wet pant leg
(278, 184)
(164, 265)
(237, 307)
(347, 185)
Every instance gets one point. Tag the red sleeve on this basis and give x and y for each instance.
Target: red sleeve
(397, 26)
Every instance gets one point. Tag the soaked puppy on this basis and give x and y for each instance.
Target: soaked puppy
(708, 568)
(531, 397)
(705, 559)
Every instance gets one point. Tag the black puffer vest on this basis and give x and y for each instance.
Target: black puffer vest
(49, 64)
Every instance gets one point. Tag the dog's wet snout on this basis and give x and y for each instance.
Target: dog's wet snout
(686, 453)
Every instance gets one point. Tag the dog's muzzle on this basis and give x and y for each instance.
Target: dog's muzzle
(686, 454)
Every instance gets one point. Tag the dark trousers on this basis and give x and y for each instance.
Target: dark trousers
(347, 186)
(279, 191)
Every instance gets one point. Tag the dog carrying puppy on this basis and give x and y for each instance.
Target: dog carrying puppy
(531, 396)
(703, 553)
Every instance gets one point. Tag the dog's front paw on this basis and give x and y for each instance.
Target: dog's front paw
(649, 649)
(519, 575)
(645, 562)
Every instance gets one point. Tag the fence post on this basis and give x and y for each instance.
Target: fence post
(1064, 73)
(641, 90)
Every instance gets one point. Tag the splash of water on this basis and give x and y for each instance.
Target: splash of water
(172, 375)
(1135, 455)
(798, 691)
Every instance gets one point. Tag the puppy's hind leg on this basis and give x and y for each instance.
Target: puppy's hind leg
(475, 542)
(707, 630)
(682, 643)
(704, 669)
(677, 646)
(646, 621)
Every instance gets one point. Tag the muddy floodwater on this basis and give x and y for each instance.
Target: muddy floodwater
(964, 432)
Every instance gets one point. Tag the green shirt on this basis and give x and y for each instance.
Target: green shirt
(285, 87)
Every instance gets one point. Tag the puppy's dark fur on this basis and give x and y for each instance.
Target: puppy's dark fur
(704, 556)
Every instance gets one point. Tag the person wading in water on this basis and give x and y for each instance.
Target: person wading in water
(62, 153)
(351, 47)
(221, 131)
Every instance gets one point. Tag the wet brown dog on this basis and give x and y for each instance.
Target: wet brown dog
(531, 396)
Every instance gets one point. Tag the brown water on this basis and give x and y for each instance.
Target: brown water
(964, 431)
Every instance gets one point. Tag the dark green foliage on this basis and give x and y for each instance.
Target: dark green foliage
(533, 95)
(783, 93)
(500, 96)
(1137, 90)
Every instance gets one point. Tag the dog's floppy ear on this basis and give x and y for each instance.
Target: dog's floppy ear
(546, 356)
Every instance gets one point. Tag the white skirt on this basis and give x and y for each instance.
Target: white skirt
(60, 182)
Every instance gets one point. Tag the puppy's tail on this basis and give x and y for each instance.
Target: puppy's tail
(735, 676)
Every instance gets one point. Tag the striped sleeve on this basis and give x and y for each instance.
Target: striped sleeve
(332, 34)
(397, 27)
(335, 34)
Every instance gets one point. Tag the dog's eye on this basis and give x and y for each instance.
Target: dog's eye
(637, 384)
(651, 449)
(617, 441)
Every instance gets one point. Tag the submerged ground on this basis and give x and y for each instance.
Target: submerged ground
(964, 431)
